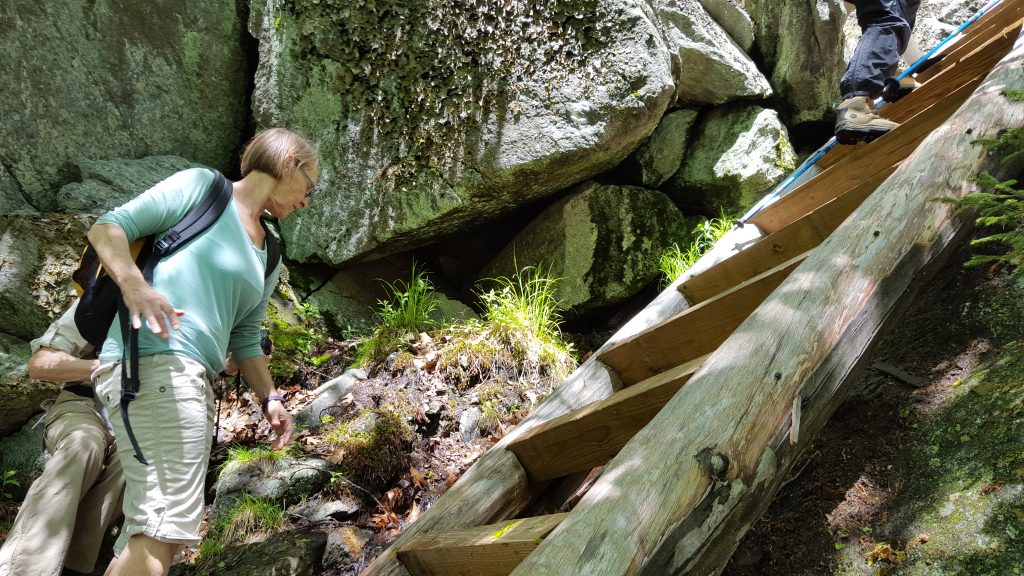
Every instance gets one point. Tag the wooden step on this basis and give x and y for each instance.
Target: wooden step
(860, 166)
(776, 248)
(693, 332)
(594, 434)
(493, 550)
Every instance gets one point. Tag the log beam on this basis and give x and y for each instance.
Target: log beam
(681, 506)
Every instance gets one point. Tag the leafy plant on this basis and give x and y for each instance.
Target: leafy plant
(675, 261)
(524, 304)
(410, 305)
(8, 479)
(998, 209)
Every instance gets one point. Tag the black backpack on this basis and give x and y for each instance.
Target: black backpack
(100, 298)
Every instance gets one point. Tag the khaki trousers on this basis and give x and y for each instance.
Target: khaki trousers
(69, 507)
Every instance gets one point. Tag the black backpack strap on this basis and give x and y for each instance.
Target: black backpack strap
(129, 373)
(194, 223)
(273, 250)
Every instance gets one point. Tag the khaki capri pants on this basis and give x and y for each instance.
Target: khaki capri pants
(172, 418)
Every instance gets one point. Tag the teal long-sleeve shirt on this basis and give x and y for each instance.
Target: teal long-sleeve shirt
(217, 278)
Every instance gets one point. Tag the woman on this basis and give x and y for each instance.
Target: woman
(207, 298)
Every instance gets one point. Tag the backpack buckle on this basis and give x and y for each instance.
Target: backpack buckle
(166, 242)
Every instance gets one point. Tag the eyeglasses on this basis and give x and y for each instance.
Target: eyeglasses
(312, 185)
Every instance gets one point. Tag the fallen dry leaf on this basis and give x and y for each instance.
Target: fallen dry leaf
(418, 479)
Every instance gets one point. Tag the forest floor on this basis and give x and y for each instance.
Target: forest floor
(921, 474)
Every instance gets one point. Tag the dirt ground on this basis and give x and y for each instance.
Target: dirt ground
(914, 476)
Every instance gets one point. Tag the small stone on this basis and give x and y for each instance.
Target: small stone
(345, 544)
(469, 424)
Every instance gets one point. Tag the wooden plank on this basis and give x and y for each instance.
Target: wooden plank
(695, 331)
(493, 550)
(594, 434)
(792, 240)
(680, 496)
(862, 165)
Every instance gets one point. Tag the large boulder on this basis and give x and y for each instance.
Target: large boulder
(22, 395)
(348, 302)
(38, 253)
(801, 43)
(107, 184)
(709, 67)
(740, 153)
(733, 18)
(119, 78)
(269, 476)
(432, 116)
(660, 156)
(603, 242)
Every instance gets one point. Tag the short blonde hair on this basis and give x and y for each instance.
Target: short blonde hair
(272, 150)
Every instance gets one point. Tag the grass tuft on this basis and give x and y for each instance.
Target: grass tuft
(518, 337)
(252, 518)
(407, 309)
(675, 261)
(239, 455)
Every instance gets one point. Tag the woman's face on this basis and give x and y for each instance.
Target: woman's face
(293, 190)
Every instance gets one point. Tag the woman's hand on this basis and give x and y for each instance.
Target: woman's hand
(281, 421)
(145, 303)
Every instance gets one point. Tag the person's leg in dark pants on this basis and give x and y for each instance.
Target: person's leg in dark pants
(886, 26)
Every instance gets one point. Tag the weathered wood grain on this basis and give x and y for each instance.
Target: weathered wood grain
(592, 435)
(694, 332)
(493, 550)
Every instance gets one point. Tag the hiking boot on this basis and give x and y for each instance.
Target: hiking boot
(857, 123)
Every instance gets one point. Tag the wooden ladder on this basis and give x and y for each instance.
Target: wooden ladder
(635, 376)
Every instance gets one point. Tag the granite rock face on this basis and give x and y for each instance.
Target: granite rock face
(801, 45)
(457, 114)
(107, 184)
(115, 79)
(22, 396)
(38, 253)
(603, 242)
(740, 153)
(709, 67)
(660, 156)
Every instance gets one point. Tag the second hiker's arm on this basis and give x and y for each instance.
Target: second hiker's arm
(143, 302)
